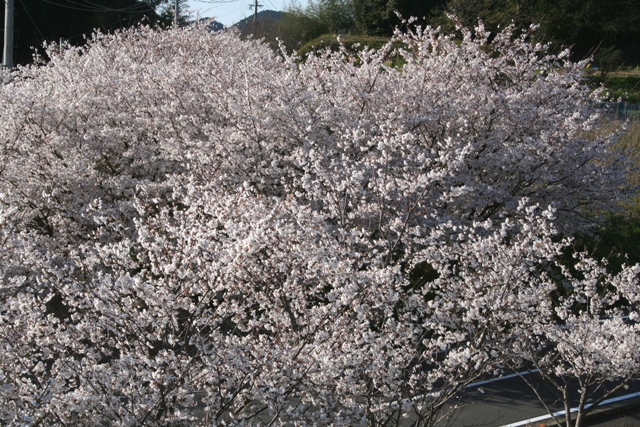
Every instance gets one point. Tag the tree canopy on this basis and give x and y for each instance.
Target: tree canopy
(196, 229)
(603, 28)
(609, 29)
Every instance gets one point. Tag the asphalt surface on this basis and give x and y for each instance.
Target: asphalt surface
(620, 420)
(510, 401)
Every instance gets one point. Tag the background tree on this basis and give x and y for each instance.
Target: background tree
(604, 28)
(493, 13)
(300, 25)
(168, 12)
(335, 15)
(299, 28)
(607, 28)
(380, 17)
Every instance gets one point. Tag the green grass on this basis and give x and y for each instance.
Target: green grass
(620, 85)
(617, 239)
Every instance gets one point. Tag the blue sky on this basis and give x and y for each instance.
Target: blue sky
(233, 11)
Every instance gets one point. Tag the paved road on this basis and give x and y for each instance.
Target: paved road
(508, 401)
(628, 420)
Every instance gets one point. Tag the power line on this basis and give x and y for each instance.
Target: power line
(103, 27)
(133, 7)
(32, 20)
(93, 7)
(216, 1)
(232, 12)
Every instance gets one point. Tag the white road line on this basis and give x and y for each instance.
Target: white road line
(560, 413)
(505, 377)
(476, 384)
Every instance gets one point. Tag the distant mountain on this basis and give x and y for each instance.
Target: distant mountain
(212, 25)
(265, 18)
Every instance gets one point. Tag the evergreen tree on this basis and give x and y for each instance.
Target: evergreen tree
(335, 15)
(168, 12)
(380, 17)
(607, 29)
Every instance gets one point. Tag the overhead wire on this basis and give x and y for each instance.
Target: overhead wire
(138, 6)
(230, 12)
(89, 6)
(103, 26)
(32, 20)
(272, 5)
(216, 1)
(93, 7)
(133, 9)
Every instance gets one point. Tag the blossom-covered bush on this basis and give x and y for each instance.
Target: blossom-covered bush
(197, 230)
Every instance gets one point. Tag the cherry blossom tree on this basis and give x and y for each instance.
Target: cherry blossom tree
(587, 339)
(205, 303)
(576, 326)
(196, 229)
(247, 306)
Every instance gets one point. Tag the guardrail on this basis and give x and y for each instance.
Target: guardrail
(621, 110)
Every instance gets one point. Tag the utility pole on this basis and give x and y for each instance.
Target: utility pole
(176, 13)
(7, 57)
(255, 15)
